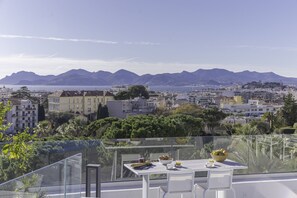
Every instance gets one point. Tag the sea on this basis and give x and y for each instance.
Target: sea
(52, 88)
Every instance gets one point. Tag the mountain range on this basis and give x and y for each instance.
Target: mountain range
(100, 78)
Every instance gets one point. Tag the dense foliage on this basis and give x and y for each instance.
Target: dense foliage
(143, 126)
(102, 111)
(289, 110)
(3, 125)
(133, 92)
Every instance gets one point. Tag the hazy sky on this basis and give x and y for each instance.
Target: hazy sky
(148, 36)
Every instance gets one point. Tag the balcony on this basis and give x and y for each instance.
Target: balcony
(271, 162)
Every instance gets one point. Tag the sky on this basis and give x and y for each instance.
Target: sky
(148, 36)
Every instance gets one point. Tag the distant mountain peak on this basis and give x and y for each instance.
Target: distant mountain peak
(214, 76)
(123, 71)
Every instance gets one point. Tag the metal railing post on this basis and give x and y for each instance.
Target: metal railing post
(97, 168)
(65, 178)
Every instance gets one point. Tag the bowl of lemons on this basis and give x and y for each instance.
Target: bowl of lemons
(219, 155)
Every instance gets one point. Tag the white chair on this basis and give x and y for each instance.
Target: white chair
(128, 158)
(155, 156)
(179, 183)
(218, 180)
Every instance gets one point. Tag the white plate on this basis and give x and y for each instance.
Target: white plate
(213, 166)
(173, 168)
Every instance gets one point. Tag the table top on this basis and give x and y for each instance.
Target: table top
(149, 146)
(194, 165)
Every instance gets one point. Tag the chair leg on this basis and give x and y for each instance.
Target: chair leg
(159, 192)
(234, 194)
(122, 169)
(204, 193)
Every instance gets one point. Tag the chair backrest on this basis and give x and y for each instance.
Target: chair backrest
(130, 157)
(155, 156)
(220, 179)
(180, 182)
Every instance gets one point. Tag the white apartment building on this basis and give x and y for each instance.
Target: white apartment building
(80, 102)
(23, 115)
(5, 92)
(252, 108)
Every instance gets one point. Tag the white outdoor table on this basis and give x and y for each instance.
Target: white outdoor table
(194, 165)
(116, 148)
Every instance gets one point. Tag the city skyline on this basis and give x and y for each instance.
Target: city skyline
(52, 37)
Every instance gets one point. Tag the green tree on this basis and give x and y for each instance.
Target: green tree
(138, 91)
(230, 129)
(99, 127)
(188, 109)
(212, 118)
(105, 112)
(133, 92)
(145, 126)
(102, 112)
(262, 127)
(75, 127)
(16, 156)
(44, 129)
(4, 108)
(270, 118)
(41, 113)
(58, 119)
(289, 110)
(122, 95)
(99, 111)
(247, 129)
(23, 92)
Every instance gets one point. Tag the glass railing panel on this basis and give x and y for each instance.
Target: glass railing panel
(263, 154)
(58, 179)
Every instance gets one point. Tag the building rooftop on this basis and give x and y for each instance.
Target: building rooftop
(80, 93)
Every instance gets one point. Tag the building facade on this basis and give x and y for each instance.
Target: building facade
(79, 102)
(23, 115)
(252, 108)
(5, 92)
(125, 108)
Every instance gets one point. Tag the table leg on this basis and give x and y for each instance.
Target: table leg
(221, 194)
(114, 166)
(145, 186)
